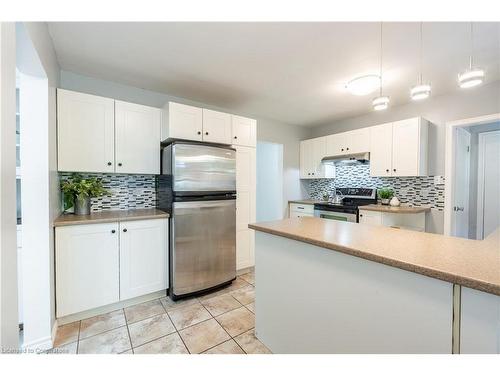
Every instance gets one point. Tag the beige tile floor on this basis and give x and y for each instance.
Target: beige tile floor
(221, 322)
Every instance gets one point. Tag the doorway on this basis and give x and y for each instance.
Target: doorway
(270, 204)
(472, 184)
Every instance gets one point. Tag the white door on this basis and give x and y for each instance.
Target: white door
(216, 127)
(336, 144)
(405, 147)
(185, 122)
(243, 131)
(85, 132)
(488, 183)
(460, 220)
(245, 205)
(359, 141)
(143, 257)
(87, 267)
(381, 150)
(137, 138)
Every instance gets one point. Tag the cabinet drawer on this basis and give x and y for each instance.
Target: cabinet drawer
(370, 217)
(302, 208)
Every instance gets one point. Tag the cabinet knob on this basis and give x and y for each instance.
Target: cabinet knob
(387, 170)
(313, 173)
(308, 174)
(124, 229)
(394, 169)
(199, 133)
(113, 231)
(109, 163)
(360, 215)
(342, 149)
(235, 137)
(119, 164)
(347, 148)
(206, 133)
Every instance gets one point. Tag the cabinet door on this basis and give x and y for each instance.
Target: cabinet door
(85, 132)
(370, 217)
(336, 144)
(381, 150)
(87, 267)
(405, 147)
(216, 127)
(305, 156)
(245, 205)
(358, 141)
(318, 152)
(137, 138)
(185, 122)
(143, 257)
(243, 131)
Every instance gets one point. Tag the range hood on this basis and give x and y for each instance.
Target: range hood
(348, 159)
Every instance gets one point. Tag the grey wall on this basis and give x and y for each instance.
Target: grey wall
(438, 110)
(267, 130)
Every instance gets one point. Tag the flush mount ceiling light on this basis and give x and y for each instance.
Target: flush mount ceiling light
(472, 76)
(422, 90)
(363, 85)
(381, 102)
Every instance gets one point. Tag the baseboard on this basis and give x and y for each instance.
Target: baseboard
(108, 308)
(245, 270)
(38, 346)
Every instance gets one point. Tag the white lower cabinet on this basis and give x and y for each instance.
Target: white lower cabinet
(100, 264)
(87, 267)
(143, 257)
(408, 221)
(300, 210)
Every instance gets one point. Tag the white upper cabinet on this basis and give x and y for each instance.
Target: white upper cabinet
(85, 132)
(96, 134)
(244, 131)
(143, 257)
(216, 127)
(351, 142)
(409, 147)
(137, 138)
(381, 150)
(182, 121)
(312, 151)
(399, 148)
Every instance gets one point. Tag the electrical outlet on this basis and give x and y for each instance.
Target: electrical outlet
(438, 180)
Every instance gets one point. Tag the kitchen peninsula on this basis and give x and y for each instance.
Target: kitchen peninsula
(374, 289)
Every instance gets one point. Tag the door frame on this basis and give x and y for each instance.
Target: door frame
(480, 183)
(449, 193)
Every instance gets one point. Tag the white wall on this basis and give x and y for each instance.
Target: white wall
(267, 130)
(270, 202)
(438, 110)
(8, 252)
(36, 60)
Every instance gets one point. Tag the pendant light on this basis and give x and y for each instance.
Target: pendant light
(422, 90)
(381, 102)
(472, 76)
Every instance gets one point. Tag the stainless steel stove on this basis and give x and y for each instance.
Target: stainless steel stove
(347, 210)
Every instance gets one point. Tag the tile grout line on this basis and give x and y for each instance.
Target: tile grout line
(128, 332)
(178, 333)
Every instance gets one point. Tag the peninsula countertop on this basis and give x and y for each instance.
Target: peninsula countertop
(470, 263)
(110, 216)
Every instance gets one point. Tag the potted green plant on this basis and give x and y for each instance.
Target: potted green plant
(385, 195)
(78, 191)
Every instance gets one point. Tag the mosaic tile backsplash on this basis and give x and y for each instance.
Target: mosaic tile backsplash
(127, 191)
(417, 191)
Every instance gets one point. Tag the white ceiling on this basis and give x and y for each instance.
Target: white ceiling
(291, 72)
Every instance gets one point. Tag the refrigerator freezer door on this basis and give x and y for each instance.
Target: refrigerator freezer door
(203, 253)
(199, 168)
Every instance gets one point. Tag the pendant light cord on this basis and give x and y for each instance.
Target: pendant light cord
(471, 44)
(380, 77)
(421, 52)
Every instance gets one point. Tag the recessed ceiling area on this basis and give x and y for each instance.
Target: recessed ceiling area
(290, 72)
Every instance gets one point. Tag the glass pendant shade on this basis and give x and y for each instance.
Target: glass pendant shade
(420, 92)
(380, 103)
(471, 78)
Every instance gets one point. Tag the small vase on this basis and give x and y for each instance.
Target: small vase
(384, 201)
(82, 205)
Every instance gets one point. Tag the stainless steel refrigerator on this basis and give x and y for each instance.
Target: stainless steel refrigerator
(198, 188)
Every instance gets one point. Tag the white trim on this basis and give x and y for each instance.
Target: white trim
(108, 308)
(39, 345)
(449, 162)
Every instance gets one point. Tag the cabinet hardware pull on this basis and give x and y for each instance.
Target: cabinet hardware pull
(119, 164)
(109, 163)
(206, 133)
(235, 137)
(360, 215)
(387, 170)
(124, 229)
(199, 133)
(394, 169)
(113, 231)
(347, 148)
(342, 149)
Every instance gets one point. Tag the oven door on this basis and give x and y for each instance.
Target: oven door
(333, 215)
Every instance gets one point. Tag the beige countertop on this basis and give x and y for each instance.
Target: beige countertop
(396, 210)
(471, 263)
(110, 216)
(306, 201)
